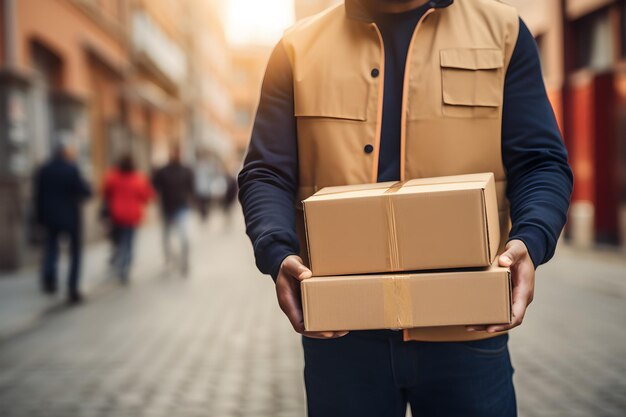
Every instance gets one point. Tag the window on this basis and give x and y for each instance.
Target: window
(594, 41)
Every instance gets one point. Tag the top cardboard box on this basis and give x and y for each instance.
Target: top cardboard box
(420, 224)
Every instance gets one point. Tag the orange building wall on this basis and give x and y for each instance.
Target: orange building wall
(164, 132)
(64, 29)
(137, 118)
(104, 107)
(168, 14)
(112, 8)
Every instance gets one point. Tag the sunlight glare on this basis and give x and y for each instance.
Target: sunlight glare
(258, 22)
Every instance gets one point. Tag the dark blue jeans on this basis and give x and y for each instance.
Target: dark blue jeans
(375, 374)
(123, 255)
(51, 259)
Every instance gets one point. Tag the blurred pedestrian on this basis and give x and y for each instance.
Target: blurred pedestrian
(205, 173)
(230, 196)
(175, 185)
(60, 190)
(126, 193)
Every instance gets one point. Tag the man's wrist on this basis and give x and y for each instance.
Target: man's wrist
(535, 241)
(278, 261)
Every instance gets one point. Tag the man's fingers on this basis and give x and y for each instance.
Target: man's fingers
(523, 277)
(518, 316)
(294, 267)
(522, 296)
(515, 250)
(518, 312)
(499, 328)
(324, 335)
(290, 304)
(292, 271)
(475, 328)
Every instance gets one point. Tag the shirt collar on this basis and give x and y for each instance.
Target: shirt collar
(355, 9)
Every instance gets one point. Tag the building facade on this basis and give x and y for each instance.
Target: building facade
(248, 63)
(209, 90)
(248, 68)
(583, 49)
(112, 75)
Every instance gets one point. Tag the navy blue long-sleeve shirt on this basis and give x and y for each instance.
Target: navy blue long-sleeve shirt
(535, 160)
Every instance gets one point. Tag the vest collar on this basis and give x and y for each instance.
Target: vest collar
(356, 9)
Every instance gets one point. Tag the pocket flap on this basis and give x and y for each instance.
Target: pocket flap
(472, 59)
(336, 97)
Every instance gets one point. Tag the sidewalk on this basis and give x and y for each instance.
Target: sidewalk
(217, 344)
(212, 344)
(22, 304)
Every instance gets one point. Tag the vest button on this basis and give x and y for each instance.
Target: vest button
(368, 148)
(375, 72)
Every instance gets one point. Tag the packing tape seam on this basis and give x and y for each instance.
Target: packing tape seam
(392, 231)
(392, 235)
(405, 311)
(398, 309)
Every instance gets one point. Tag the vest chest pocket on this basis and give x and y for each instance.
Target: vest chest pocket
(471, 82)
(332, 97)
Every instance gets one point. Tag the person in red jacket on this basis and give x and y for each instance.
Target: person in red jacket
(126, 193)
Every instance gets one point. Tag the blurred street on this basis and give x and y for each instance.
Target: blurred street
(216, 344)
(110, 107)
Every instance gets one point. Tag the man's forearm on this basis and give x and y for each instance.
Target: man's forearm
(534, 156)
(269, 178)
(270, 223)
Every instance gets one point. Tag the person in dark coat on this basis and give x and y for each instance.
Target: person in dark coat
(60, 190)
(174, 184)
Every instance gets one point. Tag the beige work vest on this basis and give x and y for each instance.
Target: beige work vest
(451, 109)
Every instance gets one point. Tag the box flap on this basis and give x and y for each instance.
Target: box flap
(417, 185)
(478, 177)
(493, 221)
(354, 187)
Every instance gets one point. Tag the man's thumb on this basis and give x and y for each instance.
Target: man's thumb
(514, 251)
(294, 266)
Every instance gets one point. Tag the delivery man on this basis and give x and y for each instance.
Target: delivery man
(382, 90)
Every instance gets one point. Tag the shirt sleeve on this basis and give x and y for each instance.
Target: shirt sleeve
(539, 179)
(269, 178)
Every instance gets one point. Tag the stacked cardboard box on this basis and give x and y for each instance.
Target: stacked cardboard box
(367, 242)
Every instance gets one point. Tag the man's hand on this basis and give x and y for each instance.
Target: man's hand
(291, 272)
(516, 258)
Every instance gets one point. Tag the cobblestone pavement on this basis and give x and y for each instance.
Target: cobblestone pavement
(570, 352)
(216, 344)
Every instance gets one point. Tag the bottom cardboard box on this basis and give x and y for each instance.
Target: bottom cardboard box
(401, 301)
